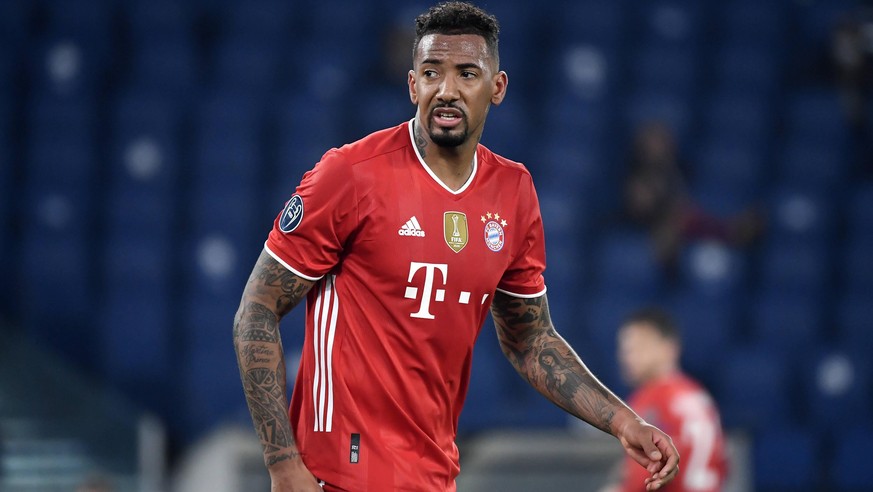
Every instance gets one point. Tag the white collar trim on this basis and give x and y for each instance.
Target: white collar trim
(430, 171)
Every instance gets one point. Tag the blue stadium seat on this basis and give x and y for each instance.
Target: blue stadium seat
(666, 68)
(817, 20)
(577, 168)
(144, 164)
(210, 385)
(837, 393)
(386, 107)
(713, 270)
(156, 19)
(136, 341)
(857, 265)
(82, 17)
(732, 165)
(602, 316)
(673, 108)
(816, 116)
(800, 215)
(854, 315)
(56, 271)
(740, 119)
(49, 116)
(849, 468)
(819, 167)
(785, 323)
(708, 325)
(797, 268)
(752, 387)
(166, 64)
(787, 459)
(69, 65)
(598, 21)
(15, 19)
(746, 67)
(861, 212)
(135, 261)
(507, 130)
(247, 66)
(228, 149)
(265, 20)
(624, 262)
(759, 22)
(681, 22)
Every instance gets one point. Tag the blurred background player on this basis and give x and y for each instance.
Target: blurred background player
(648, 353)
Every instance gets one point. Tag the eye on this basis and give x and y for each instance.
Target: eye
(429, 73)
(467, 74)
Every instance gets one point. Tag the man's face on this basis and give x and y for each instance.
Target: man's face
(642, 351)
(453, 82)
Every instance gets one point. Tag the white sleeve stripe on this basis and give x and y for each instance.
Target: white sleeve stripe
(523, 296)
(289, 267)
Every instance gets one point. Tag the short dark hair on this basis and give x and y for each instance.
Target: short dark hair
(658, 318)
(458, 18)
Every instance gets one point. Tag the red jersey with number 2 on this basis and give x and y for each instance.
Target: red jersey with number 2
(681, 407)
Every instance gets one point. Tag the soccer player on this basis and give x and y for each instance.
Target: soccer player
(648, 353)
(401, 242)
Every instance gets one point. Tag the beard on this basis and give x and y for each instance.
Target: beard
(450, 138)
(445, 138)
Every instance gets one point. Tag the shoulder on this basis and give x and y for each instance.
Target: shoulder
(374, 145)
(501, 164)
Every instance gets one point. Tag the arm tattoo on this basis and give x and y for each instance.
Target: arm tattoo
(420, 142)
(269, 277)
(543, 357)
(270, 293)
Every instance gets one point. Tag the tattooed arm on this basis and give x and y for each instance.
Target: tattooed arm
(536, 350)
(270, 293)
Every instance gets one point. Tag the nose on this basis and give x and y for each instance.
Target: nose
(448, 90)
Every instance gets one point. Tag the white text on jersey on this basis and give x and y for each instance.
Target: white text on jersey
(411, 228)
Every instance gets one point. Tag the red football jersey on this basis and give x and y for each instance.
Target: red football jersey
(406, 271)
(681, 407)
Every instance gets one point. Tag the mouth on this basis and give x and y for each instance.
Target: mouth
(447, 117)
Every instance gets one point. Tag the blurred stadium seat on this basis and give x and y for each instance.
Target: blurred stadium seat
(753, 388)
(787, 459)
(849, 470)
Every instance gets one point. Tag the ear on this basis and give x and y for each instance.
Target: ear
(501, 81)
(413, 92)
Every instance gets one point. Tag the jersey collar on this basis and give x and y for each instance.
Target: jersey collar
(434, 176)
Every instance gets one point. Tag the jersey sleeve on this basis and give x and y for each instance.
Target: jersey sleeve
(524, 277)
(309, 234)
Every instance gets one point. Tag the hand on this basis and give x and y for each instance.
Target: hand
(653, 450)
(292, 476)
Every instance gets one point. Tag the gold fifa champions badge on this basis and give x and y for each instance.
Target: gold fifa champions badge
(455, 230)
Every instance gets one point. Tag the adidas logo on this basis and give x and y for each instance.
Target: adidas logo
(411, 228)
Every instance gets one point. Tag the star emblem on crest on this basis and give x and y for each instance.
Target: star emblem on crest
(493, 216)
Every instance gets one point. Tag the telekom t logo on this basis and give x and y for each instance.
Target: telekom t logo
(412, 292)
(428, 293)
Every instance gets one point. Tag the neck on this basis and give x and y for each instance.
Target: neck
(452, 165)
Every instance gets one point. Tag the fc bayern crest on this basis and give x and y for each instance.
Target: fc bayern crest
(292, 215)
(494, 237)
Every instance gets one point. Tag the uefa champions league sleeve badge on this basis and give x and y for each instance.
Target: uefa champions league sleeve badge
(292, 215)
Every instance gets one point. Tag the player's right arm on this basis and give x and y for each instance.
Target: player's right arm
(270, 293)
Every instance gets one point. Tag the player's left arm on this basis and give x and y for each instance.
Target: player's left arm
(536, 350)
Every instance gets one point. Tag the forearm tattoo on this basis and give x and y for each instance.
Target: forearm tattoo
(258, 346)
(543, 357)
